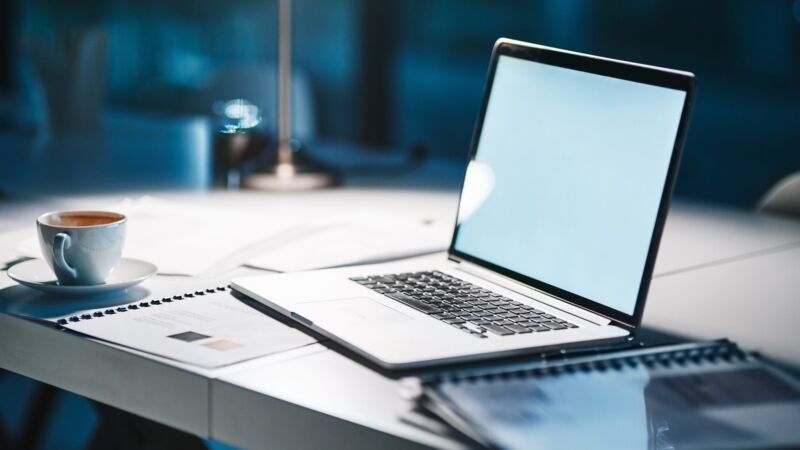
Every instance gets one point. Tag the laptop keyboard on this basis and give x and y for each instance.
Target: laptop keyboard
(463, 305)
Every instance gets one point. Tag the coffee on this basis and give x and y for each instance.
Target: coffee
(79, 219)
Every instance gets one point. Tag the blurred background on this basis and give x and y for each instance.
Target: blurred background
(146, 86)
(392, 74)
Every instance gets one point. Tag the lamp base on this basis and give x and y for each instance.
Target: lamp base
(289, 178)
(301, 174)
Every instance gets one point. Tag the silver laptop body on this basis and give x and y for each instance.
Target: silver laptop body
(564, 198)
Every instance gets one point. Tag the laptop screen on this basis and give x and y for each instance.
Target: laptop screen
(566, 178)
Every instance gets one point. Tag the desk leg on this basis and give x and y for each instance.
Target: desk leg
(121, 430)
(38, 417)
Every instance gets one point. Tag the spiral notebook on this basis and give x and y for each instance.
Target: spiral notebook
(208, 328)
(690, 396)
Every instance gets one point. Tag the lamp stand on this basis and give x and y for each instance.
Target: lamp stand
(293, 170)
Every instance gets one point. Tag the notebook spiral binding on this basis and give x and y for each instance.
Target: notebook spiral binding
(142, 304)
(681, 355)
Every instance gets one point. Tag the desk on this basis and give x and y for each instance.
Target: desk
(716, 268)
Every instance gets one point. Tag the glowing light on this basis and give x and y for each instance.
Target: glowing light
(243, 113)
(478, 184)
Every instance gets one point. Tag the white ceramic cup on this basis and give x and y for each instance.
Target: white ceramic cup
(82, 247)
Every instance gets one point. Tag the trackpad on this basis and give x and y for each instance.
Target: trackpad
(350, 311)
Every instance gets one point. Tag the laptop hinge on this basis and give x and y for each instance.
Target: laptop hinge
(530, 292)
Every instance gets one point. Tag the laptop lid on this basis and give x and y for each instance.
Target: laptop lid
(571, 168)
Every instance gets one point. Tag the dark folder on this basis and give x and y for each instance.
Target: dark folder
(688, 396)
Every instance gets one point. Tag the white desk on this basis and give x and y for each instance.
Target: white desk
(720, 273)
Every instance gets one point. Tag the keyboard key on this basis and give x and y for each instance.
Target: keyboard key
(412, 302)
(383, 279)
(472, 327)
(497, 329)
(518, 328)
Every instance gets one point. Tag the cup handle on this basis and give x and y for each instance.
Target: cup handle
(61, 242)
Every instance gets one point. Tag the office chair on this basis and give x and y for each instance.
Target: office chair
(783, 198)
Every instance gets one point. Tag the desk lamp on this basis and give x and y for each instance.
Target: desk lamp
(293, 169)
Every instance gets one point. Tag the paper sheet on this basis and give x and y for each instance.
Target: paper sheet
(359, 240)
(212, 330)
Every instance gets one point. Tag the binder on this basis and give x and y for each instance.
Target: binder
(697, 395)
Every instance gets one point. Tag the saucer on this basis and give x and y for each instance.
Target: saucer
(37, 274)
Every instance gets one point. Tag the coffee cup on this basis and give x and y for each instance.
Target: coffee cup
(82, 247)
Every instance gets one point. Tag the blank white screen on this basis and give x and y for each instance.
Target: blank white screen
(567, 178)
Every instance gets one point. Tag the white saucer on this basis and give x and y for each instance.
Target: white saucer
(38, 275)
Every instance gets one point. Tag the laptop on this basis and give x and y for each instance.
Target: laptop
(571, 167)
